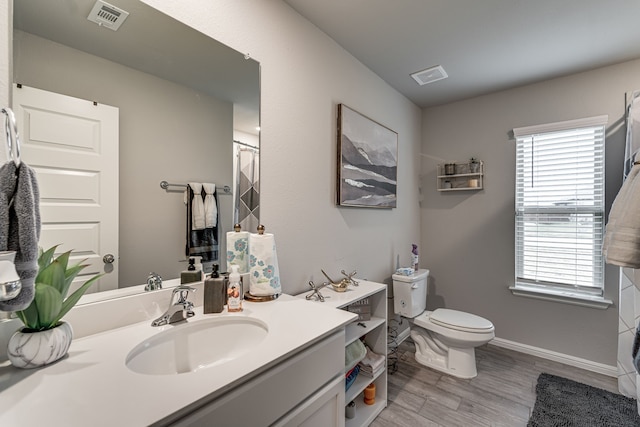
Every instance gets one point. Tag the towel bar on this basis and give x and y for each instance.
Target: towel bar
(165, 185)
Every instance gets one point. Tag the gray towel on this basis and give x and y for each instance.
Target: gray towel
(634, 352)
(20, 227)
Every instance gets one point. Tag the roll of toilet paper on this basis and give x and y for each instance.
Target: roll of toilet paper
(238, 250)
(264, 276)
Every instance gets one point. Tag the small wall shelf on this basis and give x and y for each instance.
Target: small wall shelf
(460, 176)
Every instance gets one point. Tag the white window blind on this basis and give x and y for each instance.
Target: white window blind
(560, 206)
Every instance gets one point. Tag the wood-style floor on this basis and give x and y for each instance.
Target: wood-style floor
(503, 393)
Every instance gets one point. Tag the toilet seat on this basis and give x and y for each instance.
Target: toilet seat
(458, 320)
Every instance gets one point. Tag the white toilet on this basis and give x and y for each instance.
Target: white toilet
(445, 339)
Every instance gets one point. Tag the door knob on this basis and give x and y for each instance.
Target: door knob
(108, 259)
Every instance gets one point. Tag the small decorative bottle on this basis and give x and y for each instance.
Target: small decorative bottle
(234, 290)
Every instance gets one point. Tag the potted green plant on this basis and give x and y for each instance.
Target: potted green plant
(45, 338)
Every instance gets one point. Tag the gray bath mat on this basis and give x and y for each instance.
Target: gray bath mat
(566, 403)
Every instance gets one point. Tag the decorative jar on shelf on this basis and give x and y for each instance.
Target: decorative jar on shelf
(370, 394)
(474, 165)
(449, 168)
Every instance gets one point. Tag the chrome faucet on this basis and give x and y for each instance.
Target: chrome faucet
(154, 282)
(180, 308)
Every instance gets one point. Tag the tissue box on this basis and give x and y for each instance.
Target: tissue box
(405, 271)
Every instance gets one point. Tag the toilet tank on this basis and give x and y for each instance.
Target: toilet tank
(410, 293)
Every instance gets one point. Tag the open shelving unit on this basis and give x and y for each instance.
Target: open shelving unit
(374, 334)
(460, 176)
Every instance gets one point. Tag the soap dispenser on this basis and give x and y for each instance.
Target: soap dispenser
(234, 290)
(197, 263)
(214, 292)
(190, 275)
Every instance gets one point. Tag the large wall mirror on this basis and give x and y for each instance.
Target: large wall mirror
(186, 106)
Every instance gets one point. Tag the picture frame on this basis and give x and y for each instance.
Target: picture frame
(367, 161)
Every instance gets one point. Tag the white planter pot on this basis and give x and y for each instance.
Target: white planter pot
(34, 349)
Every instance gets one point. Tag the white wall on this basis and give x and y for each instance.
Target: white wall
(469, 236)
(304, 75)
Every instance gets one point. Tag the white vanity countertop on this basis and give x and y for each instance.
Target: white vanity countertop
(93, 387)
(335, 299)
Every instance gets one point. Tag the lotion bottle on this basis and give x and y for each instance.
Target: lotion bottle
(234, 291)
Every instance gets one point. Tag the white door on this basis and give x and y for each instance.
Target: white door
(72, 145)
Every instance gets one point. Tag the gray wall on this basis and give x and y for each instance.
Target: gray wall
(167, 132)
(304, 75)
(468, 237)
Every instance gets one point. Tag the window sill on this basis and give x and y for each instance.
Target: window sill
(562, 297)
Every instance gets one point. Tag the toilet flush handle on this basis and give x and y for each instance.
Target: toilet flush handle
(414, 286)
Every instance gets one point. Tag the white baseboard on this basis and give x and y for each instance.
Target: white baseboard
(611, 371)
(403, 335)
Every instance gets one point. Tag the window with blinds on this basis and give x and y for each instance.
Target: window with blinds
(560, 206)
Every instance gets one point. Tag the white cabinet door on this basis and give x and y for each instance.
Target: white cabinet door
(324, 409)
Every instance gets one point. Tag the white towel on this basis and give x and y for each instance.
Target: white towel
(197, 207)
(621, 244)
(210, 207)
(238, 250)
(367, 371)
(618, 207)
(372, 362)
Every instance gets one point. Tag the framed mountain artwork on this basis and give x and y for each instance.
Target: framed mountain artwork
(367, 161)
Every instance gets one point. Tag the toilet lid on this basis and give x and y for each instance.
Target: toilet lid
(460, 320)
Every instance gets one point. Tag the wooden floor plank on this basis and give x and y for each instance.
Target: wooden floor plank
(503, 393)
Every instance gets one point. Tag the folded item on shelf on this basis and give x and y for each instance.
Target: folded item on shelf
(372, 361)
(353, 354)
(351, 377)
(368, 372)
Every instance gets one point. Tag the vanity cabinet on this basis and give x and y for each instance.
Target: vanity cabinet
(306, 389)
(374, 334)
(460, 176)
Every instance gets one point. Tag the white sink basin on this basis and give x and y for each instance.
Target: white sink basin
(197, 345)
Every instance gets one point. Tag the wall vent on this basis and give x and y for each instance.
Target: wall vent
(107, 15)
(430, 75)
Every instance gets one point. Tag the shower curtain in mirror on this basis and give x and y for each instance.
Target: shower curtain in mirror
(247, 194)
(629, 294)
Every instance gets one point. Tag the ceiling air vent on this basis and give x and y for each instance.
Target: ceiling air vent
(107, 15)
(430, 75)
